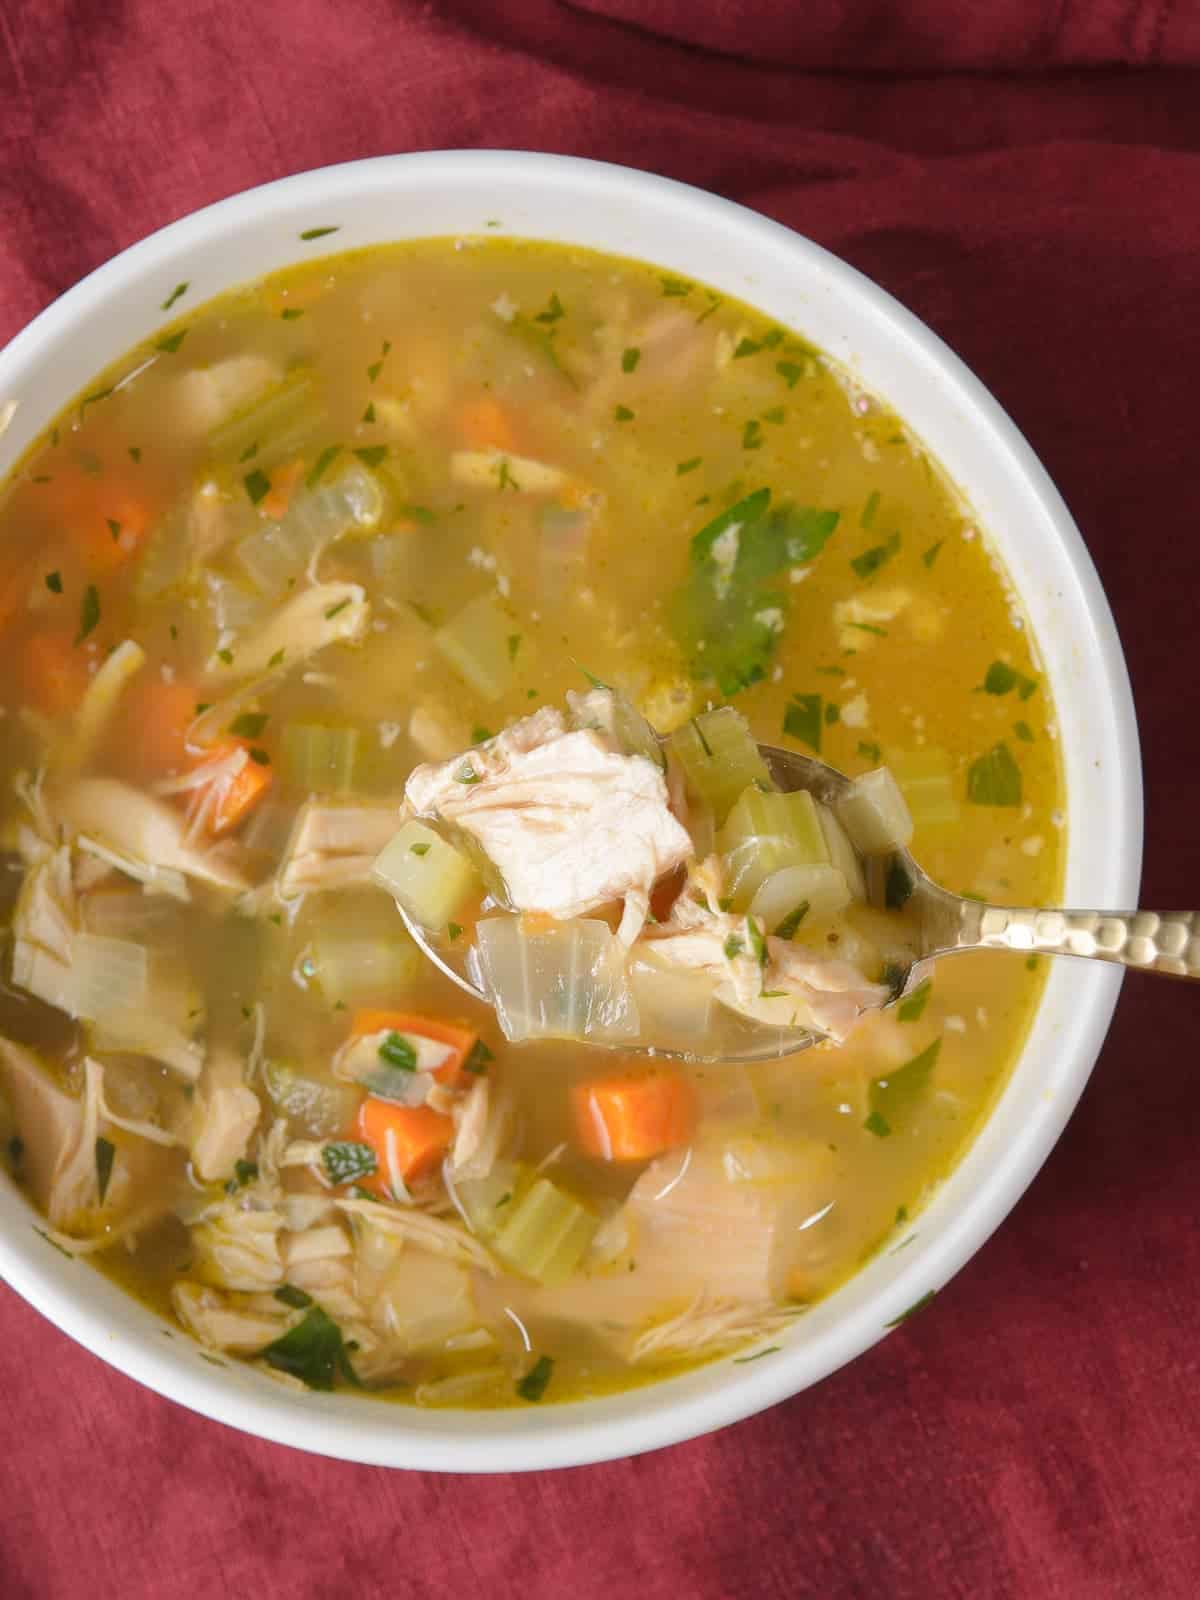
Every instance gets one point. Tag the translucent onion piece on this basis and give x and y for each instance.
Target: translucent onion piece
(564, 982)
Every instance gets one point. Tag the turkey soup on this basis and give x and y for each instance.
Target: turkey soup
(339, 549)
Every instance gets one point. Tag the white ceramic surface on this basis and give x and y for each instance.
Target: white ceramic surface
(693, 234)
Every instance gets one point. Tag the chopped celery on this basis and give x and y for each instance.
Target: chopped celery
(477, 644)
(317, 1106)
(780, 898)
(608, 711)
(926, 779)
(547, 1234)
(842, 853)
(489, 1202)
(719, 758)
(320, 759)
(430, 878)
(874, 813)
(766, 832)
(166, 557)
(348, 501)
(274, 426)
(563, 982)
(361, 953)
(108, 976)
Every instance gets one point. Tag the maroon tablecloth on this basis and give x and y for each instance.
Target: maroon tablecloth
(1026, 176)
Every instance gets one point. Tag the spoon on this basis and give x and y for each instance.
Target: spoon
(934, 923)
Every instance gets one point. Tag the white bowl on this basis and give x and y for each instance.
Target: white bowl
(694, 234)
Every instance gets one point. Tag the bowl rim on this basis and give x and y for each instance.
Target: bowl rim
(578, 1433)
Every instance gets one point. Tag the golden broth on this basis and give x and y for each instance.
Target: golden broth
(653, 404)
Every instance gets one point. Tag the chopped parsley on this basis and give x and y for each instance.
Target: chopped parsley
(1000, 678)
(869, 510)
(399, 1052)
(176, 293)
(376, 367)
(752, 435)
(419, 849)
(322, 465)
(258, 485)
(803, 719)
(319, 233)
(514, 644)
(994, 779)
(478, 1058)
(244, 1172)
(453, 931)
(226, 656)
(249, 453)
(833, 713)
(333, 610)
(1023, 731)
(135, 455)
(259, 756)
(684, 467)
(290, 313)
(630, 358)
(746, 347)
(105, 1153)
(870, 561)
(758, 945)
(675, 288)
(870, 751)
(89, 612)
(171, 343)
(930, 556)
(868, 627)
(276, 660)
(369, 414)
(877, 1125)
(894, 1095)
(314, 1350)
(346, 1161)
(790, 371)
(114, 528)
(506, 479)
(479, 735)
(288, 1295)
(249, 724)
(911, 1008)
(533, 1385)
(622, 414)
(775, 415)
(733, 947)
(372, 455)
(792, 921)
(553, 311)
(54, 582)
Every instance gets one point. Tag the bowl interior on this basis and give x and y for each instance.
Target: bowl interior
(687, 232)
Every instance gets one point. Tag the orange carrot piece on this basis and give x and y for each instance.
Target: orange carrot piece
(55, 673)
(245, 791)
(635, 1114)
(154, 726)
(283, 485)
(458, 1035)
(410, 1139)
(485, 425)
(14, 590)
(106, 525)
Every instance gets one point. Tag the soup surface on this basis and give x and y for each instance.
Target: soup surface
(366, 515)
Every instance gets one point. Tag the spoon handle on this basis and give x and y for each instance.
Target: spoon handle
(1154, 941)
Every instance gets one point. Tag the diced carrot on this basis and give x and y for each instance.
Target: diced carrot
(55, 673)
(409, 1140)
(283, 485)
(245, 791)
(154, 725)
(105, 520)
(458, 1035)
(485, 425)
(15, 585)
(635, 1114)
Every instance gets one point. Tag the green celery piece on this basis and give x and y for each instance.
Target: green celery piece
(432, 886)
(320, 759)
(280, 422)
(926, 779)
(476, 644)
(719, 757)
(765, 832)
(545, 1237)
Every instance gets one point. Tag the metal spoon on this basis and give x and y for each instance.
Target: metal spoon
(931, 923)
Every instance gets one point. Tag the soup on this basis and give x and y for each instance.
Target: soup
(360, 519)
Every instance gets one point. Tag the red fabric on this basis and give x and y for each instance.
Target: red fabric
(1036, 1433)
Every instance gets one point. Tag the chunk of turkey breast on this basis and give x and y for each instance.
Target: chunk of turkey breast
(145, 832)
(215, 1320)
(45, 922)
(206, 396)
(51, 1124)
(226, 1114)
(333, 847)
(319, 616)
(570, 821)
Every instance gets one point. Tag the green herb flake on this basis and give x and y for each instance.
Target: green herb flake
(105, 1154)
(398, 1051)
(752, 435)
(419, 849)
(319, 233)
(790, 371)
(994, 779)
(803, 720)
(505, 476)
(288, 1295)
(453, 931)
(930, 556)
(894, 1096)
(675, 288)
(901, 1214)
(54, 582)
(259, 756)
(746, 347)
(114, 528)
(258, 485)
(877, 1125)
(135, 455)
(372, 455)
(480, 734)
(346, 1160)
(479, 1057)
(622, 414)
(322, 465)
(314, 1350)
(369, 414)
(172, 342)
(176, 293)
(276, 660)
(869, 510)
(715, 302)
(758, 945)
(630, 358)
(333, 610)
(917, 1305)
(226, 656)
(870, 751)
(733, 947)
(775, 415)
(1023, 732)
(912, 1006)
(533, 1385)
(833, 713)
(249, 724)
(89, 612)
(418, 513)
(870, 561)
(1031, 963)
(869, 627)
(514, 644)
(290, 313)
(768, 1350)
(553, 311)
(682, 468)
(787, 928)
